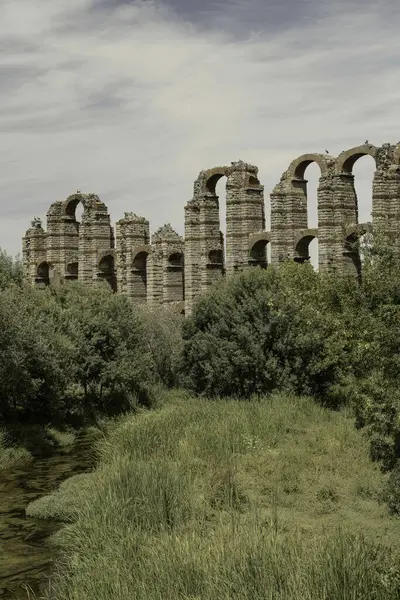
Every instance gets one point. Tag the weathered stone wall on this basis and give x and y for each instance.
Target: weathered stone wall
(175, 271)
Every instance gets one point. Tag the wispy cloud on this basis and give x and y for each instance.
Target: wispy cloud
(131, 99)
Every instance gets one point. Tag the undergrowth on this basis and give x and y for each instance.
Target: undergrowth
(270, 499)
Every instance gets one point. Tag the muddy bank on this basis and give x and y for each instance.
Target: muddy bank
(25, 557)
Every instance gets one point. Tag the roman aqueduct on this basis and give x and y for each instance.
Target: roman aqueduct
(165, 268)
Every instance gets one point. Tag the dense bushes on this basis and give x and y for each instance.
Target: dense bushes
(69, 354)
(265, 330)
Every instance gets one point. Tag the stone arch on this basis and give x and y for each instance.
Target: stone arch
(106, 263)
(298, 166)
(175, 281)
(72, 270)
(139, 263)
(70, 204)
(257, 237)
(175, 259)
(104, 254)
(215, 258)
(106, 268)
(258, 243)
(43, 268)
(145, 249)
(139, 271)
(302, 245)
(212, 181)
(351, 250)
(347, 159)
(212, 178)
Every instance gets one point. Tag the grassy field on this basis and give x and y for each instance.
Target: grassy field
(199, 500)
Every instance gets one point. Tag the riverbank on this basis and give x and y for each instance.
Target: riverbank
(273, 499)
(20, 444)
(25, 556)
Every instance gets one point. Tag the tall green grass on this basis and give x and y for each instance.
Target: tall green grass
(198, 500)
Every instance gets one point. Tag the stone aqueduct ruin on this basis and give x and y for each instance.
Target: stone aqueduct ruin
(168, 269)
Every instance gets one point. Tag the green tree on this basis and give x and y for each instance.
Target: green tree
(264, 330)
(10, 270)
(112, 366)
(32, 374)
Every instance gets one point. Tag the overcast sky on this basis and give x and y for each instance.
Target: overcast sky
(131, 99)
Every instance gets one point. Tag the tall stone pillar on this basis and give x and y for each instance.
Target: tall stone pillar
(166, 267)
(54, 225)
(155, 273)
(328, 234)
(96, 239)
(386, 192)
(204, 248)
(192, 254)
(173, 265)
(211, 242)
(345, 215)
(34, 252)
(245, 213)
(288, 216)
(69, 236)
(133, 238)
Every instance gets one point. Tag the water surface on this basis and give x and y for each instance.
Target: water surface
(25, 557)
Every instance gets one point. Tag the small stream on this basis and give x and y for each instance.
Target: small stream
(25, 558)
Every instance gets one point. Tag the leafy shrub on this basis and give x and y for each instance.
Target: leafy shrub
(69, 354)
(264, 330)
(163, 340)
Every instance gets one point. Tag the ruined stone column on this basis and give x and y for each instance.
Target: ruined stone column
(211, 242)
(288, 216)
(280, 216)
(155, 273)
(95, 240)
(166, 268)
(386, 192)
(204, 256)
(327, 216)
(54, 224)
(34, 251)
(245, 213)
(69, 236)
(192, 254)
(133, 238)
(173, 265)
(345, 214)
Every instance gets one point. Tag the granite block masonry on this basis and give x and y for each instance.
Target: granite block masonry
(167, 269)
